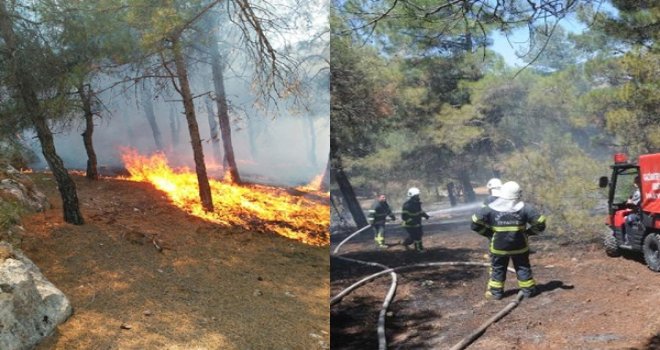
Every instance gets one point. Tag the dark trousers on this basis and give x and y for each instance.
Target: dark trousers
(379, 229)
(499, 264)
(414, 234)
(631, 221)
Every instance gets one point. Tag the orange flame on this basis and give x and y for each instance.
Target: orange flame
(302, 216)
(314, 185)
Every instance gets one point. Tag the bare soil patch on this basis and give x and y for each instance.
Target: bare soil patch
(210, 287)
(587, 300)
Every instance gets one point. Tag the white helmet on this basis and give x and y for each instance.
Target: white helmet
(510, 190)
(494, 183)
(413, 191)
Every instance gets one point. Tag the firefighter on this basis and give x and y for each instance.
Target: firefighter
(633, 217)
(493, 185)
(504, 221)
(412, 215)
(377, 217)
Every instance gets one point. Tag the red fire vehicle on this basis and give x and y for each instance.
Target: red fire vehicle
(634, 227)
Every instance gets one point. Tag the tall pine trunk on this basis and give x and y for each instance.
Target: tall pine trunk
(213, 128)
(349, 195)
(468, 191)
(86, 98)
(253, 133)
(174, 127)
(311, 150)
(223, 112)
(148, 105)
(325, 181)
(451, 194)
(193, 128)
(24, 87)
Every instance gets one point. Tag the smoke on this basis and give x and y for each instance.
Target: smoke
(287, 145)
(268, 150)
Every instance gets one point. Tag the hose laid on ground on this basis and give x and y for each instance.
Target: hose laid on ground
(380, 330)
(349, 237)
(382, 341)
(479, 331)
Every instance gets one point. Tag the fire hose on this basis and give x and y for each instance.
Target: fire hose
(382, 341)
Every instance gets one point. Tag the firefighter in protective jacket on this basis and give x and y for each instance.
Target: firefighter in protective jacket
(377, 216)
(412, 215)
(505, 222)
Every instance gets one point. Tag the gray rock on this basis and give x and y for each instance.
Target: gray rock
(30, 306)
(19, 186)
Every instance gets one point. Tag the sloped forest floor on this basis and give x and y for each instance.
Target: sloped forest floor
(587, 300)
(211, 288)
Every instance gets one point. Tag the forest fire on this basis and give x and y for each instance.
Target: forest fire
(252, 207)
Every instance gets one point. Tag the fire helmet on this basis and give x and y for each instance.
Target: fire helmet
(413, 191)
(510, 190)
(494, 183)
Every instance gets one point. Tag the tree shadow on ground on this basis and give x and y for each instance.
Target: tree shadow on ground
(348, 322)
(343, 272)
(211, 289)
(543, 288)
(652, 344)
(424, 301)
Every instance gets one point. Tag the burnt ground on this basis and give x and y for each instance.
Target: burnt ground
(587, 300)
(214, 288)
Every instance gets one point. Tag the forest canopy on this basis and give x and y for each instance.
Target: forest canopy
(420, 98)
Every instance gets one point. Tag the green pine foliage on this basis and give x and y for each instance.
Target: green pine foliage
(560, 180)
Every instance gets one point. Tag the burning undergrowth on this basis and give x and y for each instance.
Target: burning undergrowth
(303, 215)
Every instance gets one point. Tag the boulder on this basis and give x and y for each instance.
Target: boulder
(18, 186)
(30, 306)
(18, 194)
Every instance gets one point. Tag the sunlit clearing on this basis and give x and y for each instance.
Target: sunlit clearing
(252, 207)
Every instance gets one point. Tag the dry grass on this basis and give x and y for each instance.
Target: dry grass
(214, 289)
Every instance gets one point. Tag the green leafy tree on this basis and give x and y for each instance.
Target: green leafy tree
(559, 179)
(29, 65)
(358, 109)
(626, 72)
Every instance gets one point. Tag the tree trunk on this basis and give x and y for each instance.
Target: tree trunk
(193, 128)
(24, 87)
(253, 132)
(65, 184)
(148, 105)
(325, 182)
(468, 191)
(223, 113)
(451, 194)
(86, 98)
(213, 128)
(174, 127)
(311, 149)
(349, 195)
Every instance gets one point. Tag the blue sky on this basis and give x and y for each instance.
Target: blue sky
(519, 40)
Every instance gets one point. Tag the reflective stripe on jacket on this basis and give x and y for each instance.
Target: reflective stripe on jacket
(508, 230)
(412, 213)
(379, 213)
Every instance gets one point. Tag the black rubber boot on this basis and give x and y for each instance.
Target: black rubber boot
(494, 294)
(530, 292)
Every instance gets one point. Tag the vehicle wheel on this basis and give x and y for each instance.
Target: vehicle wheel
(611, 245)
(651, 250)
